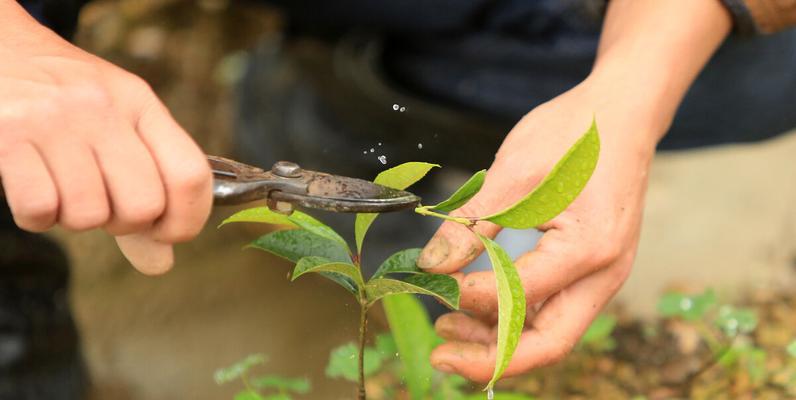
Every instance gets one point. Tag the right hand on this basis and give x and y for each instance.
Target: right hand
(85, 144)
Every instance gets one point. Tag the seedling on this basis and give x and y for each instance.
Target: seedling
(315, 247)
(266, 387)
(720, 327)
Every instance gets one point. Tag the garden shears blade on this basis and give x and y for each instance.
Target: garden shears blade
(287, 185)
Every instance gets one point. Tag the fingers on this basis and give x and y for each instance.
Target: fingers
(555, 331)
(29, 189)
(458, 326)
(184, 171)
(146, 254)
(131, 177)
(563, 255)
(83, 201)
(454, 246)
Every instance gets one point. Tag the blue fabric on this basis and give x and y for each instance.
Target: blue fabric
(504, 57)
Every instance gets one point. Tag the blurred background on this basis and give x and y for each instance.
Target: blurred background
(721, 217)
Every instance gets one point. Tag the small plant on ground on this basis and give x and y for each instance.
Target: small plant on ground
(317, 248)
(725, 330)
(264, 387)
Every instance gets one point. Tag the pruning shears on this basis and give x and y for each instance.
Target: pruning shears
(287, 185)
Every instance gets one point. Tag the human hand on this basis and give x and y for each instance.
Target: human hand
(649, 54)
(85, 144)
(581, 260)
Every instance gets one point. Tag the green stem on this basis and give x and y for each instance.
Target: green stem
(245, 378)
(424, 210)
(363, 323)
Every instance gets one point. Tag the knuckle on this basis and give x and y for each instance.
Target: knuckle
(194, 178)
(179, 233)
(36, 214)
(140, 213)
(85, 218)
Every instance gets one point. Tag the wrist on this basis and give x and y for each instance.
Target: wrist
(651, 51)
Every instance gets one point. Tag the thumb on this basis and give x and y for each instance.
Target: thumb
(147, 255)
(454, 245)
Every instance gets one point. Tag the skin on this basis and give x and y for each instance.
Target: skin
(85, 144)
(650, 53)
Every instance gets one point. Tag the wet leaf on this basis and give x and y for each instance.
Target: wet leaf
(262, 215)
(404, 261)
(558, 189)
(344, 359)
(733, 320)
(295, 385)
(687, 307)
(511, 306)
(463, 194)
(296, 244)
(278, 396)
(443, 287)
(236, 370)
(326, 266)
(791, 349)
(399, 177)
(415, 337)
(297, 219)
(248, 395)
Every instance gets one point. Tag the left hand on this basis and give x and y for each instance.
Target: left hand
(584, 255)
(650, 52)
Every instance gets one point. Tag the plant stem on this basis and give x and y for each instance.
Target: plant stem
(363, 324)
(462, 220)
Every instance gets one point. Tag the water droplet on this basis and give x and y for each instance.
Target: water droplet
(372, 149)
(379, 143)
(383, 159)
(395, 107)
(403, 109)
(686, 303)
(420, 146)
(490, 394)
(365, 152)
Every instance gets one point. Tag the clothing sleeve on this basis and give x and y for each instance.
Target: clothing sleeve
(762, 16)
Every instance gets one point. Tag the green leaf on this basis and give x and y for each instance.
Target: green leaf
(598, 335)
(262, 215)
(463, 194)
(791, 349)
(404, 261)
(558, 189)
(386, 346)
(324, 265)
(415, 337)
(297, 219)
(278, 396)
(733, 320)
(235, 371)
(443, 287)
(511, 306)
(248, 395)
(295, 385)
(296, 244)
(685, 306)
(399, 177)
(344, 359)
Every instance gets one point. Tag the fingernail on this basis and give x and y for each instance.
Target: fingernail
(443, 367)
(435, 252)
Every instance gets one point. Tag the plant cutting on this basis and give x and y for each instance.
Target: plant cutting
(316, 248)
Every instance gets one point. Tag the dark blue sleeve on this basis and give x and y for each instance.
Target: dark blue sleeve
(58, 15)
